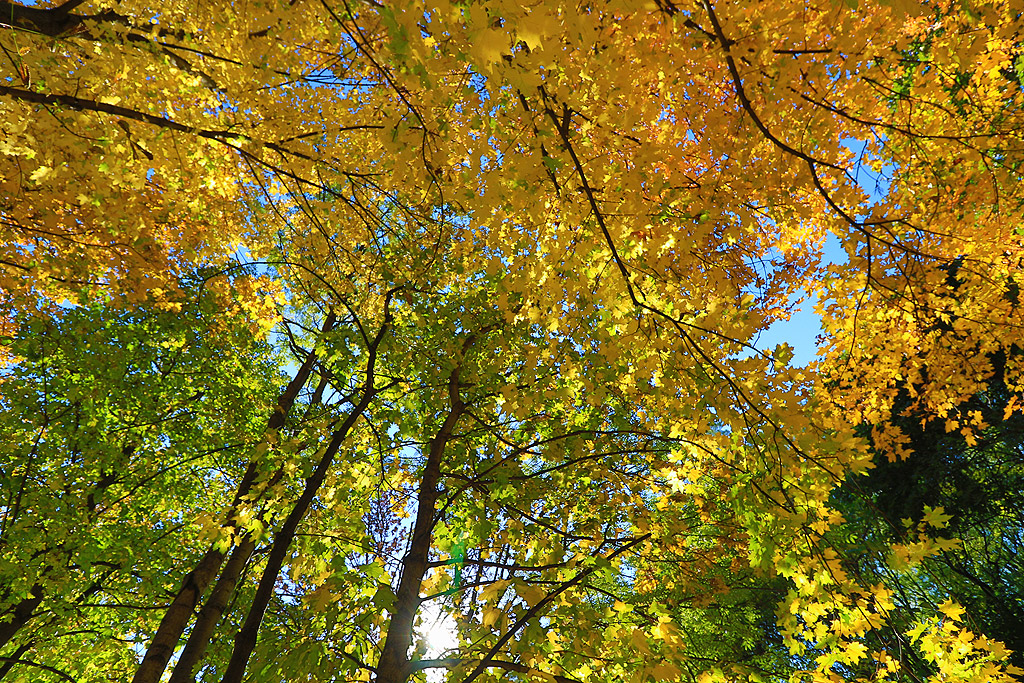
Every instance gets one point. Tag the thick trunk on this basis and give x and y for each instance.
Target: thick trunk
(22, 612)
(393, 665)
(210, 614)
(49, 21)
(177, 616)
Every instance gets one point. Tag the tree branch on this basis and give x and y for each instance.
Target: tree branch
(535, 610)
(453, 662)
(245, 639)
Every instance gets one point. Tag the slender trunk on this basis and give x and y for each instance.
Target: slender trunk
(212, 611)
(22, 612)
(181, 609)
(393, 665)
(177, 616)
(245, 639)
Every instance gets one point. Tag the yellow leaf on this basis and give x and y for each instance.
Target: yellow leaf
(639, 641)
(952, 610)
(855, 652)
(531, 594)
(41, 173)
(665, 671)
(1011, 405)
(491, 615)
(935, 518)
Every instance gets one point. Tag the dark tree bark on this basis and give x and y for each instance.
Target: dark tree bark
(179, 612)
(245, 639)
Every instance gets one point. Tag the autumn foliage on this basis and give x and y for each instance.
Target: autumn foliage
(323, 318)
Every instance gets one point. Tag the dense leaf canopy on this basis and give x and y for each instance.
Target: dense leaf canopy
(327, 318)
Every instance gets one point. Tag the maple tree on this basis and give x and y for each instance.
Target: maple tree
(966, 485)
(516, 260)
(115, 422)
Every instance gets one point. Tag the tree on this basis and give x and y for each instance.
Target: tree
(115, 423)
(966, 482)
(520, 257)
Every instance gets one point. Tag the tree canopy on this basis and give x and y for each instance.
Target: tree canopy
(322, 318)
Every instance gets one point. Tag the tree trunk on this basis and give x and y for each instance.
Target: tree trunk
(181, 609)
(393, 665)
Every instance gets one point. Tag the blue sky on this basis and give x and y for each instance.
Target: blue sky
(802, 329)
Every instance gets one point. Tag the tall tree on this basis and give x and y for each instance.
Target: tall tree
(522, 256)
(964, 483)
(115, 423)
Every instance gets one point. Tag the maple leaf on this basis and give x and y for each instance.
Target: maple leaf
(952, 610)
(935, 517)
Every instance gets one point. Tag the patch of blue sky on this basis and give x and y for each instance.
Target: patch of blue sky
(803, 330)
